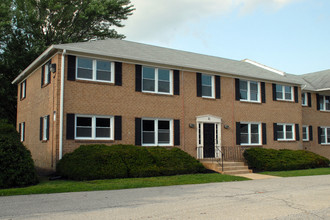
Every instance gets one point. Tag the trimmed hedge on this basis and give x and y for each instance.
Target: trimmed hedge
(90, 162)
(16, 164)
(261, 159)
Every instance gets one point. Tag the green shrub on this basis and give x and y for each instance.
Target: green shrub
(16, 165)
(120, 161)
(261, 159)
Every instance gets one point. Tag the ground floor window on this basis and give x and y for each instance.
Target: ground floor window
(305, 133)
(157, 132)
(285, 131)
(250, 133)
(22, 131)
(325, 135)
(94, 127)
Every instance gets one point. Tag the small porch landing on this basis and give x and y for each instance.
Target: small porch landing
(229, 167)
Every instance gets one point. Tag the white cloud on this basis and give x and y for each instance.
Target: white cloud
(162, 20)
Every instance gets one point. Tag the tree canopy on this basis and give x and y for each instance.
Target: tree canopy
(28, 27)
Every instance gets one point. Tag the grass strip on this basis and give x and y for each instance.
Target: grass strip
(291, 173)
(60, 186)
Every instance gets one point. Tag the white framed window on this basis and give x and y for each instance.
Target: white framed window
(285, 132)
(45, 127)
(305, 133)
(23, 89)
(94, 70)
(157, 80)
(46, 74)
(249, 91)
(284, 92)
(22, 131)
(250, 133)
(304, 99)
(207, 86)
(324, 103)
(93, 127)
(157, 132)
(325, 135)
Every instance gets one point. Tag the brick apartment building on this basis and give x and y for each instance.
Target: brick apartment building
(121, 92)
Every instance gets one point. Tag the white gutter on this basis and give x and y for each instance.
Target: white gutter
(61, 104)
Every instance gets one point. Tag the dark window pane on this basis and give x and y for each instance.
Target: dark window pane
(289, 135)
(254, 96)
(148, 137)
(85, 63)
(279, 127)
(163, 125)
(243, 85)
(322, 139)
(148, 125)
(103, 75)
(163, 75)
(84, 121)
(148, 73)
(244, 138)
(84, 132)
(244, 128)
(279, 95)
(254, 128)
(163, 86)
(243, 94)
(280, 134)
(103, 65)
(102, 122)
(206, 91)
(206, 80)
(327, 103)
(148, 85)
(163, 137)
(85, 73)
(254, 139)
(289, 128)
(103, 132)
(288, 96)
(279, 88)
(254, 86)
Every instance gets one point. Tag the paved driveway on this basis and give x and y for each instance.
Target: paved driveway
(282, 198)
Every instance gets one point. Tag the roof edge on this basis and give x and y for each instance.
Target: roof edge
(25, 72)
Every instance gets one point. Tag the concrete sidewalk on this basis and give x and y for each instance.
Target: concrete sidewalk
(256, 176)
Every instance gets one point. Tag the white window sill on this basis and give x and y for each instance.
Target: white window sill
(94, 139)
(324, 110)
(157, 145)
(325, 144)
(306, 140)
(251, 144)
(157, 93)
(285, 100)
(248, 101)
(91, 80)
(286, 140)
(208, 97)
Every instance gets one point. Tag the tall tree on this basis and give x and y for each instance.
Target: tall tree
(28, 27)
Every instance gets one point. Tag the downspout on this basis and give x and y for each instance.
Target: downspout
(61, 104)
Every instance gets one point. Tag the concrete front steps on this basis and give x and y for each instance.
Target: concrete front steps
(230, 168)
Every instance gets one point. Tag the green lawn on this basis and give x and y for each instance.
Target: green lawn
(308, 172)
(59, 186)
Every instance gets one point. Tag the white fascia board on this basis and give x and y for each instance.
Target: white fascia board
(264, 67)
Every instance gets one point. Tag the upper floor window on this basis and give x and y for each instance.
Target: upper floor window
(250, 133)
(304, 99)
(207, 86)
(156, 80)
(249, 91)
(324, 103)
(325, 135)
(285, 131)
(44, 128)
(45, 74)
(94, 127)
(95, 70)
(23, 90)
(284, 92)
(157, 132)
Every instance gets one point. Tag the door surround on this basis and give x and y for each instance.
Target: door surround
(210, 119)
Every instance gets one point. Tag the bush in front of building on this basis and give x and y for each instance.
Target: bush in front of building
(261, 159)
(16, 164)
(90, 162)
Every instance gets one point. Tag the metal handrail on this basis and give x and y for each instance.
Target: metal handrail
(222, 154)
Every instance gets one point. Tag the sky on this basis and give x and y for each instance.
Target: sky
(289, 35)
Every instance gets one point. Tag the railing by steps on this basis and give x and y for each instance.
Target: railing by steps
(222, 155)
(233, 153)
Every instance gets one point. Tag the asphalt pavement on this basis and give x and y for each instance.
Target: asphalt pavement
(279, 198)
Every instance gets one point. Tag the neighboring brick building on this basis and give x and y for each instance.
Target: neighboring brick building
(121, 92)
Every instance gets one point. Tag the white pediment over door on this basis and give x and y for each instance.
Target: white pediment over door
(208, 119)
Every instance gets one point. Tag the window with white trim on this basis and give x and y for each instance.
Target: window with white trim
(45, 127)
(285, 132)
(207, 86)
(23, 89)
(156, 80)
(157, 132)
(46, 74)
(95, 70)
(249, 91)
(325, 135)
(304, 99)
(92, 127)
(324, 103)
(250, 133)
(305, 133)
(22, 131)
(284, 92)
